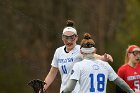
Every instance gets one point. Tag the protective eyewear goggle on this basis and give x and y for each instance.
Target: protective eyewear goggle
(135, 53)
(71, 38)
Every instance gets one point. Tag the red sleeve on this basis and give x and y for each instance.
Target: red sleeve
(121, 72)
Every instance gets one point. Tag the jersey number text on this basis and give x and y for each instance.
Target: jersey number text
(100, 82)
(64, 69)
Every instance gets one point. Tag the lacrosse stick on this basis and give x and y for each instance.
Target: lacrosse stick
(37, 85)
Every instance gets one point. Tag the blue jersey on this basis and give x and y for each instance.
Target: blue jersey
(64, 62)
(93, 75)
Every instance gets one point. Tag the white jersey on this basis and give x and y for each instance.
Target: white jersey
(64, 62)
(93, 75)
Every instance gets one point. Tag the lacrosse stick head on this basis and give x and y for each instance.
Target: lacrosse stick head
(37, 85)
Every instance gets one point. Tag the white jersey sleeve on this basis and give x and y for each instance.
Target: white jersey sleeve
(112, 74)
(75, 73)
(55, 58)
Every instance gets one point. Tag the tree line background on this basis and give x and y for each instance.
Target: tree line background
(30, 31)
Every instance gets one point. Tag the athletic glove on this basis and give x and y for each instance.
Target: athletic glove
(37, 85)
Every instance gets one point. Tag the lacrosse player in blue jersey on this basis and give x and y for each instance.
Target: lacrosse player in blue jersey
(66, 56)
(91, 73)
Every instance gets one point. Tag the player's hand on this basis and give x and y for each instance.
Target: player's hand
(44, 91)
(108, 57)
(137, 91)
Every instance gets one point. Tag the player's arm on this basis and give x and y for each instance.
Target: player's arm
(50, 77)
(70, 86)
(105, 57)
(121, 73)
(119, 90)
(122, 84)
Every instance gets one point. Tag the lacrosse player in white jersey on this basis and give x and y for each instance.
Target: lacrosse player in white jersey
(91, 73)
(66, 56)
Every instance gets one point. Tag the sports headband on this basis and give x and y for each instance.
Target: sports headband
(88, 50)
(132, 47)
(70, 29)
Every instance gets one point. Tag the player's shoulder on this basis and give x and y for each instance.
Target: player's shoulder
(102, 62)
(138, 65)
(78, 63)
(77, 46)
(123, 67)
(60, 48)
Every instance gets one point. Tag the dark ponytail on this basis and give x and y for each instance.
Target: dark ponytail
(87, 41)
